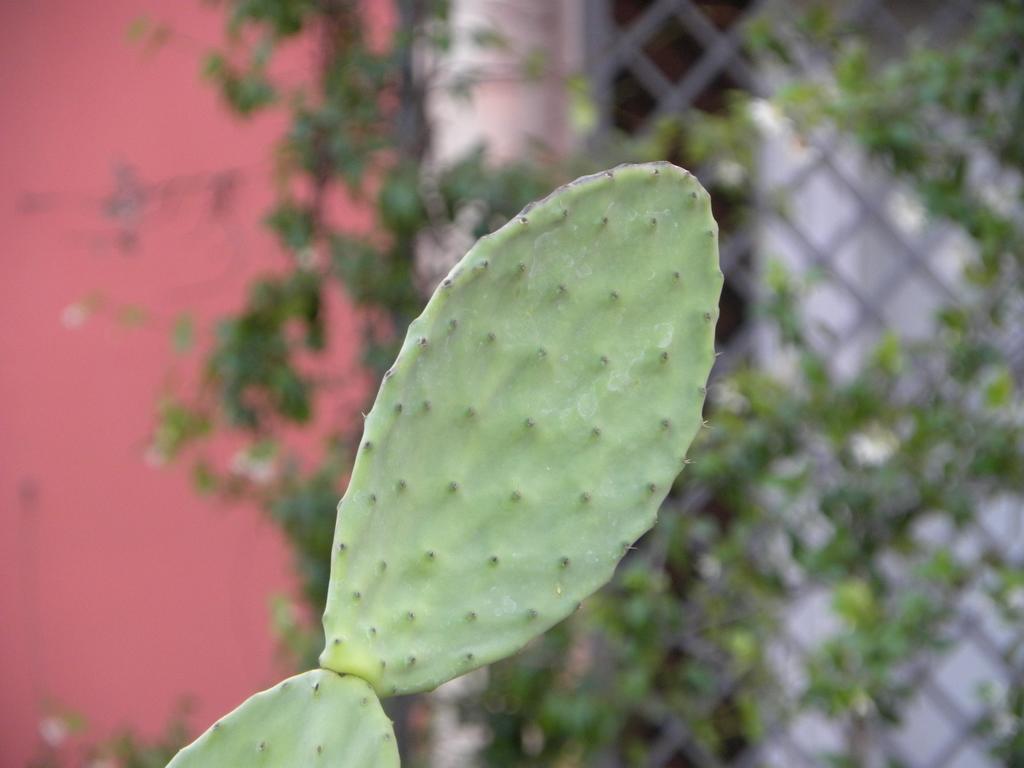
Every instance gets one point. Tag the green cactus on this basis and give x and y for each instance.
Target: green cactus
(316, 718)
(536, 417)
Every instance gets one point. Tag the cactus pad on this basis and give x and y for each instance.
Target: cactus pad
(534, 420)
(316, 718)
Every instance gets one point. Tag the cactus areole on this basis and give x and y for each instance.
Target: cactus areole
(535, 418)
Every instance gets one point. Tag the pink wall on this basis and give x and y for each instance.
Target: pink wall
(120, 590)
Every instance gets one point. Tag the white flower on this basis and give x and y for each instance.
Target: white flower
(873, 446)
(1015, 599)
(306, 258)
(53, 730)
(709, 567)
(1000, 197)
(728, 396)
(907, 211)
(154, 456)
(768, 118)
(863, 704)
(731, 173)
(259, 469)
(74, 315)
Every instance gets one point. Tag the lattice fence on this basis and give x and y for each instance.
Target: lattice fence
(885, 267)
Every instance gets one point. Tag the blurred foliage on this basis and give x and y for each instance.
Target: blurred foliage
(64, 743)
(356, 132)
(808, 485)
(859, 493)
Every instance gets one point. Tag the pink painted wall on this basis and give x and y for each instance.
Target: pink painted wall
(120, 590)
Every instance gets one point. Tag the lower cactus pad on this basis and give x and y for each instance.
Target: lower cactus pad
(316, 718)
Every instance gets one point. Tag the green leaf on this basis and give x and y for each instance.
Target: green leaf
(1000, 389)
(138, 28)
(183, 334)
(583, 114)
(132, 316)
(889, 354)
(489, 38)
(854, 602)
(534, 64)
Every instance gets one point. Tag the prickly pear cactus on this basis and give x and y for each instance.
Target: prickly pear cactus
(537, 415)
(316, 718)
